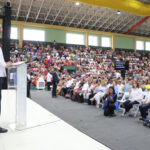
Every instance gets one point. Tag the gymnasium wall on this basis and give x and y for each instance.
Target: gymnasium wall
(124, 42)
(118, 41)
(53, 34)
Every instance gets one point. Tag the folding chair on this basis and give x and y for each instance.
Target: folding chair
(135, 109)
(121, 101)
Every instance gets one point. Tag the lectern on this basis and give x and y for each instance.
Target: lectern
(17, 81)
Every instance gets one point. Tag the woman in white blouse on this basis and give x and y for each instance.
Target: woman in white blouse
(135, 97)
(145, 106)
(92, 84)
(100, 93)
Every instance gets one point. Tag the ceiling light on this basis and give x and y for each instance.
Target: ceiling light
(77, 3)
(118, 12)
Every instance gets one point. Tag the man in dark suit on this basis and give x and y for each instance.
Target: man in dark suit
(55, 82)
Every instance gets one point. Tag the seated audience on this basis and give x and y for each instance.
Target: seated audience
(98, 97)
(145, 106)
(110, 102)
(135, 97)
(86, 73)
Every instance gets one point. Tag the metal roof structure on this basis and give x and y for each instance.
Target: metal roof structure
(66, 13)
(145, 1)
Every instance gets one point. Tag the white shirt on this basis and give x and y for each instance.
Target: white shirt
(102, 89)
(85, 87)
(136, 94)
(90, 88)
(2, 65)
(118, 75)
(28, 76)
(147, 97)
(97, 89)
(120, 88)
(49, 77)
(109, 85)
(77, 85)
(69, 83)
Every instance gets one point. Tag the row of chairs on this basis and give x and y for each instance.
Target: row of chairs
(125, 96)
(122, 97)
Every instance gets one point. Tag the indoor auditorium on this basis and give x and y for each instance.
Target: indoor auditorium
(74, 74)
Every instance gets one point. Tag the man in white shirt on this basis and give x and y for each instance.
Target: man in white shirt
(69, 83)
(3, 66)
(77, 84)
(118, 75)
(49, 81)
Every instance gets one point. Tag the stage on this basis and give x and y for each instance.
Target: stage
(44, 130)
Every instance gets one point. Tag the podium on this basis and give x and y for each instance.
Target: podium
(17, 82)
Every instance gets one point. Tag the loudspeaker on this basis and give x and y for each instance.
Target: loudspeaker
(6, 32)
(6, 25)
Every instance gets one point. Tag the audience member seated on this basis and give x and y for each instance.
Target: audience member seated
(145, 106)
(110, 102)
(135, 97)
(94, 91)
(94, 74)
(98, 96)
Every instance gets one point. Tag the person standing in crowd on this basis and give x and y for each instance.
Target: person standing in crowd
(49, 81)
(28, 84)
(55, 82)
(3, 65)
(54, 44)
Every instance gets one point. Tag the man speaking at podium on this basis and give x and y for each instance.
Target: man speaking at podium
(3, 66)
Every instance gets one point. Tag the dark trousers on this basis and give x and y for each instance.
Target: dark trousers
(54, 91)
(109, 110)
(28, 89)
(70, 90)
(1, 82)
(64, 90)
(144, 110)
(91, 102)
(80, 98)
(128, 105)
(48, 86)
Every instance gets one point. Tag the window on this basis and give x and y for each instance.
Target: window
(93, 40)
(14, 33)
(147, 44)
(139, 45)
(33, 35)
(72, 38)
(106, 42)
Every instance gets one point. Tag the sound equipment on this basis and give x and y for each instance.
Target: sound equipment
(6, 31)
(6, 27)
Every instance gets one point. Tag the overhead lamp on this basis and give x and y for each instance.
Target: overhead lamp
(77, 3)
(118, 12)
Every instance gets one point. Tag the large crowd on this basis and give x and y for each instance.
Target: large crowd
(95, 80)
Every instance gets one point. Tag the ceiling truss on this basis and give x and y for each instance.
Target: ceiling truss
(66, 13)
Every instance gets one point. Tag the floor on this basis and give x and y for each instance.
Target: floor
(117, 133)
(45, 130)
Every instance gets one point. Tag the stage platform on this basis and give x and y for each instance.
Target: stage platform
(44, 131)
